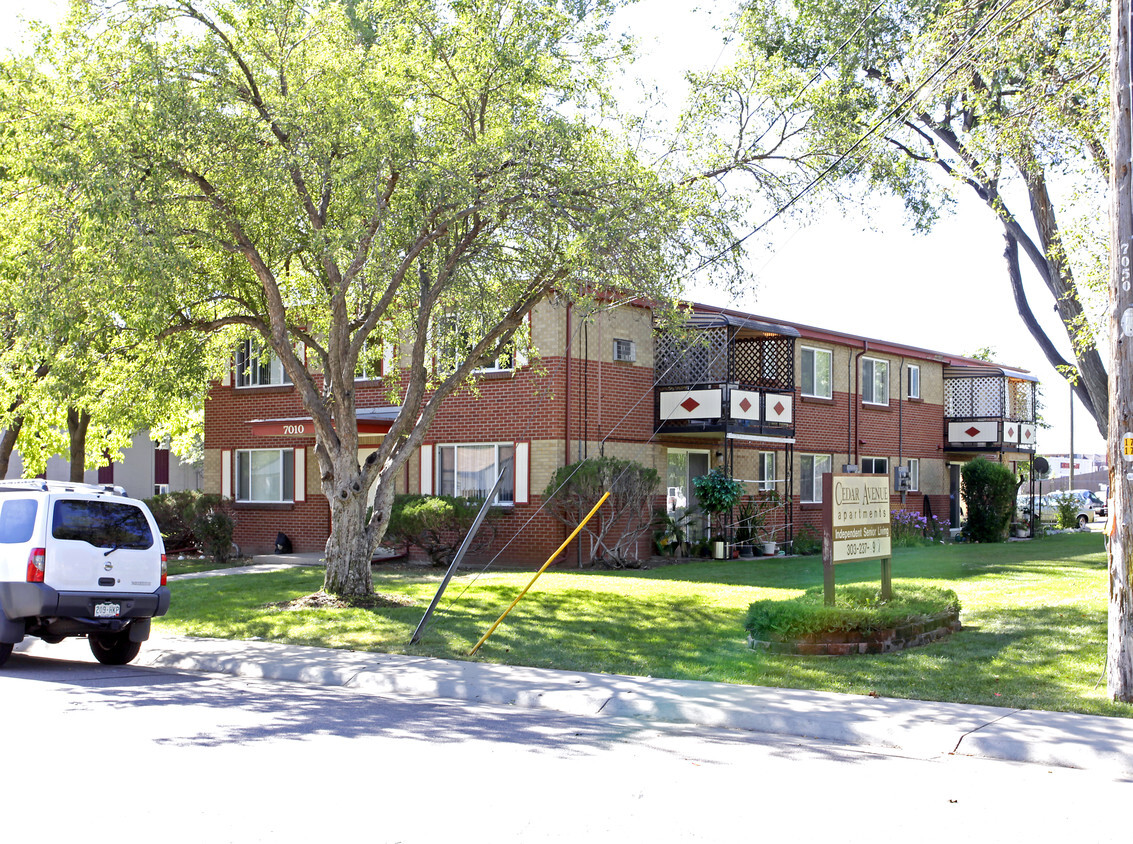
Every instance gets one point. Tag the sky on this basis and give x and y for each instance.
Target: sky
(863, 273)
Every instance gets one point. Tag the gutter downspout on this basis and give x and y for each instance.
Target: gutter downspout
(857, 399)
(566, 406)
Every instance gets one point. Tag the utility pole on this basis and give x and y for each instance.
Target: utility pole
(1119, 678)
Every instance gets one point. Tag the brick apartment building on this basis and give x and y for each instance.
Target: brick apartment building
(775, 403)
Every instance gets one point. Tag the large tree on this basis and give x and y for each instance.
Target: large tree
(1003, 100)
(334, 176)
(80, 363)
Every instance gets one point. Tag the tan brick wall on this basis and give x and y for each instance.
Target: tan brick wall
(211, 477)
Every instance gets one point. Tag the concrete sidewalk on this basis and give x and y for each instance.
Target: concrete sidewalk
(918, 728)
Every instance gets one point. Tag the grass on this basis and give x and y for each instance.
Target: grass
(1034, 616)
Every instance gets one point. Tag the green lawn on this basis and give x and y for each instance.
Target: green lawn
(1034, 616)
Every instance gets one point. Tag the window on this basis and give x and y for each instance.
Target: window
(265, 475)
(816, 372)
(17, 520)
(875, 465)
(470, 471)
(813, 467)
(875, 381)
(257, 366)
(625, 350)
(766, 470)
(374, 361)
(455, 338)
(103, 524)
(914, 473)
(914, 382)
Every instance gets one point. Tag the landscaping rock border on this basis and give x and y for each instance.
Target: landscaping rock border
(913, 634)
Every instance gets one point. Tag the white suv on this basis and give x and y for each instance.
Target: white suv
(79, 560)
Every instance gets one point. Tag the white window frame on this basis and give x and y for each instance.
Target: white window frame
(385, 363)
(873, 466)
(285, 459)
(766, 465)
(253, 350)
(914, 382)
(914, 466)
(873, 365)
(506, 495)
(811, 465)
(813, 370)
(629, 350)
(508, 361)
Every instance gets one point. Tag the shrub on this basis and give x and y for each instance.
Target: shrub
(807, 541)
(857, 608)
(1066, 510)
(988, 490)
(437, 524)
(190, 520)
(911, 528)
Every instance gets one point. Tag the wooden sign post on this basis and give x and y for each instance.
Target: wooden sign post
(856, 526)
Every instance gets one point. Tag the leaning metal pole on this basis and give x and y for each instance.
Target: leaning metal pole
(472, 531)
(550, 560)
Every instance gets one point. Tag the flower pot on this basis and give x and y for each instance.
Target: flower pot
(719, 550)
(769, 549)
(747, 550)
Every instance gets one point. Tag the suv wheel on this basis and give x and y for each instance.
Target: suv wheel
(5, 651)
(114, 648)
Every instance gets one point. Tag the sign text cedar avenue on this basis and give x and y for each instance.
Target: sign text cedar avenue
(858, 516)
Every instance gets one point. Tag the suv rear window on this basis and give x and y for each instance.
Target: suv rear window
(104, 524)
(17, 520)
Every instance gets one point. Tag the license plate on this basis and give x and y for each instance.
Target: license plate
(107, 609)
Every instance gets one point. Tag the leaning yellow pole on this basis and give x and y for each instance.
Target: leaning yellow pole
(550, 560)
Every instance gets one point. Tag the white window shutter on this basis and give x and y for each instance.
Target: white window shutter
(300, 479)
(522, 471)
(426, 470)
(226, 473)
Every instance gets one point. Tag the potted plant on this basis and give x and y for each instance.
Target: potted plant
(749, 522)
(767, 501)
(717, 493)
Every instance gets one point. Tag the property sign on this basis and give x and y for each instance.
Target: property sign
(1127, 448)
(857, 516)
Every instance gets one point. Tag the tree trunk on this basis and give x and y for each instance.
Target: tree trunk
(8, 444)
(1119, 654)
(77, 423)
(348, 549)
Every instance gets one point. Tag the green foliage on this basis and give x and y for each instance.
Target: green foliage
(988, 490)
(437, 524)
(857, 608)
(193, 520)
(807, 541)
(1066, 508)
(626, 516)
(671, 538)
(717, 492)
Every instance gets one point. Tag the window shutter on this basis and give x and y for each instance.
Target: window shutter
(426, 470)
(226, 473)
(300, 480)
(522, 472)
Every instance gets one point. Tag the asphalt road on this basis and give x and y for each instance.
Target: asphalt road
(97, 753)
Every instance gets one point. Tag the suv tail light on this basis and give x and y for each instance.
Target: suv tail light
(164, 570)
(36, 561)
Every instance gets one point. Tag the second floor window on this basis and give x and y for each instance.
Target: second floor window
(815, 374)
(914, 382)
(258, 366)
(875, 381)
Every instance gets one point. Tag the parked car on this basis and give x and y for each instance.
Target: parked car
(1090, 508)
(1026, 505)
(79, 560)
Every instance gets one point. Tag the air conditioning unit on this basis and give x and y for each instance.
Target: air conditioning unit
(160, 489)
(625, 350)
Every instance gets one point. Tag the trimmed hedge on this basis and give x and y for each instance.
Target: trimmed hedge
(857, 609)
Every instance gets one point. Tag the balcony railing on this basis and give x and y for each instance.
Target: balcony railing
(989, 409)
(726, 374)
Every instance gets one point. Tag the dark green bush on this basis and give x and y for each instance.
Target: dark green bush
(437, 524)
(807, 541)
(857, 608)
(190, 520)
(988, 490)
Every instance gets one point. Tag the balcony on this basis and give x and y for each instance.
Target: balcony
(726, 375)
(989, 409)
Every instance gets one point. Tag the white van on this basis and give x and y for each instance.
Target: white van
(79, 560)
